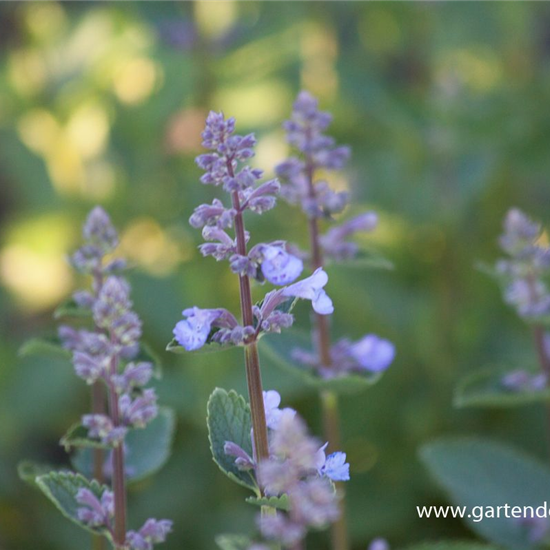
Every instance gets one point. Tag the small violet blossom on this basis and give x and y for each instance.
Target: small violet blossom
(370, 354)
(379, 544)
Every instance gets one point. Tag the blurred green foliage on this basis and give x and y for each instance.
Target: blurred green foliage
(446, 108)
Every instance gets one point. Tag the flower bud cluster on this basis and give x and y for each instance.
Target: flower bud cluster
(305, 133)
(369, 354)
(299, 468)
(99, 513)
(526, 271)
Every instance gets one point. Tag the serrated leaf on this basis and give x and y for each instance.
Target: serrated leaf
(233, 542)
(280, 503)
(28, 471)
(229, 420)
(279, 348)
(61, 488)
(452, 545)
(485, 389)
(50, 346)
(367, 259)
(70, 308)
(146, 450)
(475, 472)
(77, 436)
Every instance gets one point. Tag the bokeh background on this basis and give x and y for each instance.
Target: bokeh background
(446, 107)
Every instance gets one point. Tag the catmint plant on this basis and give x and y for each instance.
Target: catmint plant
(107, 355)
(304, 185)
(524, 274)
(276, 458)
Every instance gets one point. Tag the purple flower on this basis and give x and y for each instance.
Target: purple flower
(333, 466)
(134, 375)
(140, 411)
(192, 333)
(153, 532)
(101, 427)
(530, 297)
(96, 512)
(334, 243)
(273, 414)
(279, 267)
(379, 544)
(214, 214)
(521, 380)
(99, 231)
(311, 288)
(112, 302)
(519, 232)
(89, 367)
(243, 460)
(373, 353)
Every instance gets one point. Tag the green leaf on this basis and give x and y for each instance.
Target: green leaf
(77, 436)
(366, 259)
(70, 308)
(475, 473)
(147, 449)
(229, 420)
(28, 471)
(279, 348)
(452, 545)
(148, 355)
(485, 389)
(233, 542)
(280, 503)
(49, 346)
(61, 488)
(209, 347)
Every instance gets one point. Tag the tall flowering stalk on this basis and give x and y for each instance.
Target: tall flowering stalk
(303, 186)
(265, 261)
(524, 275)
(225, 167)
(105, 357)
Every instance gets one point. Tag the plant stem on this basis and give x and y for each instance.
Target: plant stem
(329, 400)
(98, 407)
(544, 360)
(119, 482)
(252, 359)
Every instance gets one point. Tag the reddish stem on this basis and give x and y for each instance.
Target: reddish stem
(329, 400)
(119, 482)
(252, 359)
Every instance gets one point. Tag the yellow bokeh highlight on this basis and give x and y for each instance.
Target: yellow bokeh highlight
(257, 105)
(38, 130)
(147, 244)
(27, 71)
(135, 80)
(88, 130)
(45, 20)
(270, 150)
(215, 18)
(319, 50)
(33, 266)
